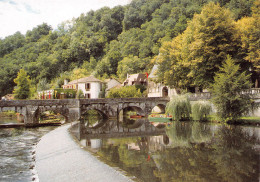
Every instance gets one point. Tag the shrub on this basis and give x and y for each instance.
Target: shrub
(179, 107)
(124, 92)
(200, 110)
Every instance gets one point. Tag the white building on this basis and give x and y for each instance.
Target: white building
(90, 86)
(158, 89)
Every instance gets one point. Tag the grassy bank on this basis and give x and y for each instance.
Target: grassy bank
(8, 114)
(246, 120)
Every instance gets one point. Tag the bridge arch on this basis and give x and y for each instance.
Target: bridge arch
(137, 109)
(103, 114)
(20, 112)
(61, 110)
(64, 111)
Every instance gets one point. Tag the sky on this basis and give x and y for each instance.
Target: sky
(23, 15)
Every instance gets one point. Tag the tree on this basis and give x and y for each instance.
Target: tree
(227, 91)
(130, 65)
(249, 30)
(179, 107)
(22, 90)
(193, 58)
(214, 37)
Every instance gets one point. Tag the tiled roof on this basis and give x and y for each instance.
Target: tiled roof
(85, 80)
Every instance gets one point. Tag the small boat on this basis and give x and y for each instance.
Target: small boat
(159, 118)
(136, 116)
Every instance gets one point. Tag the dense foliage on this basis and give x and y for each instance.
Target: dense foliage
(200, 110)
(124, 92)
(194, 57)
(113, 42)
(179, 107)
(227, 89)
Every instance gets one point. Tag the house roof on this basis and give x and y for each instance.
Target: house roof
(85, 80)
(136, 78)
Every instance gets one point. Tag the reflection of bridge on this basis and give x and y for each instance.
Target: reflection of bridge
(117, 129)
(72, 109)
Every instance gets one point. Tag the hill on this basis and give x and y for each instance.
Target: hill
(100, 42)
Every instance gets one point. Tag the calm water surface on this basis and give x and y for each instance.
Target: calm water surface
(17, 152)
(186, 151)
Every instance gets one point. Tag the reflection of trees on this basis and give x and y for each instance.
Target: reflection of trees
(184, 134)
(230, 158)
(234, 156)
(92, 118)
(185, 164)
(136, 162)
(194, 155)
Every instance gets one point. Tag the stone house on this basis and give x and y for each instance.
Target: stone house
(155, 89)
(136, 79)
(90, 86)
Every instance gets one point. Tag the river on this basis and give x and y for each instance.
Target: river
(17, 152)
(185, 151)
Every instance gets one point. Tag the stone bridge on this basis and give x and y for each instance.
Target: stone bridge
(72, 109)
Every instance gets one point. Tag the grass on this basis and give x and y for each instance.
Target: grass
(250, 120)
(245, 120)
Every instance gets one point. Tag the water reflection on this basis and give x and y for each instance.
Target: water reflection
(191, 151)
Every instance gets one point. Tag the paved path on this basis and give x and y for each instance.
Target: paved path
(60, 159)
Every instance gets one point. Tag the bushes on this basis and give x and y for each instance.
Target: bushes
(124, 92)
(200, 110)
(181, 109)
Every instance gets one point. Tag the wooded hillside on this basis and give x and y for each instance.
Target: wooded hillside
(102, 42)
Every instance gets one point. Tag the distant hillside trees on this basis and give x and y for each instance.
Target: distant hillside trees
(99, 41)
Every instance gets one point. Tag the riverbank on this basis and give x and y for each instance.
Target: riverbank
(60, 158)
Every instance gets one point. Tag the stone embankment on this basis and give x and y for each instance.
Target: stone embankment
(59, 158)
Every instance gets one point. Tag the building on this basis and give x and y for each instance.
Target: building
(136, 79)
(158, 89)
(8, 97)
(112, 83)
(90, 86)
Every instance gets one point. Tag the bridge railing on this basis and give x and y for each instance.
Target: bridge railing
(200, 96)
(254, 92)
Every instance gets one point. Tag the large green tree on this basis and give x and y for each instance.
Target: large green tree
(227, 89)
(23, 88)
(193, 58)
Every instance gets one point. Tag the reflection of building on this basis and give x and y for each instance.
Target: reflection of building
(158, 89)
(136, 79)
(158, 143)
(90, 86)
(92, 143)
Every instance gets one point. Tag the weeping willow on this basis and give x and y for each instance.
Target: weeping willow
(179, 107)
(200, 110)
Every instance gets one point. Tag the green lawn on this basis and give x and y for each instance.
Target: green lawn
(246, 120)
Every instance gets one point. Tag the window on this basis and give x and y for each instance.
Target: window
(87, 96)
(87, 86)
